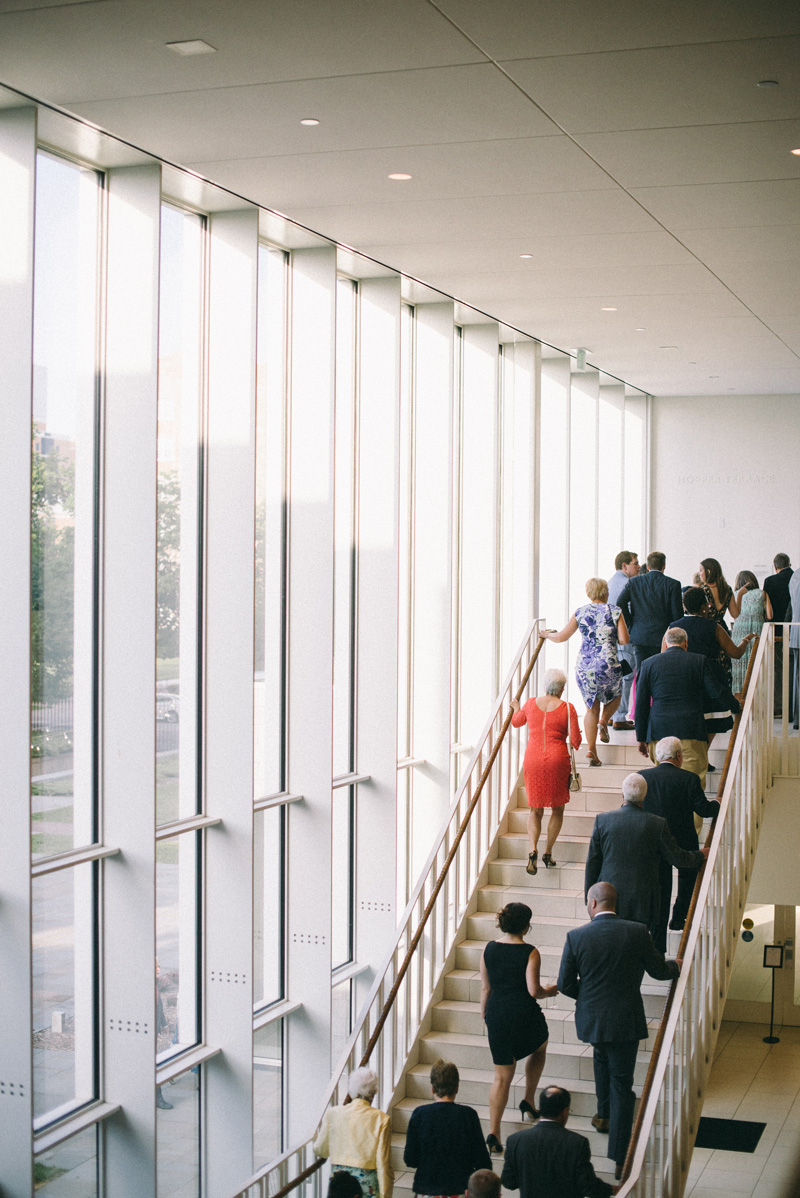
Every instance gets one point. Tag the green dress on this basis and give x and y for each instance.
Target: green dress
(750, 619)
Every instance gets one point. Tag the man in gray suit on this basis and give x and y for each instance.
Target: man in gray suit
(626, 848)
(794, 645)
(546, 1160)
(602, 968)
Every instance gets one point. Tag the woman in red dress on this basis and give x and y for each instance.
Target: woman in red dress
(547, 765)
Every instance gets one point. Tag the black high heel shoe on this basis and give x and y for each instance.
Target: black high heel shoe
(493, 1144)
(548, 861)
(531, 867)
(525, 1108)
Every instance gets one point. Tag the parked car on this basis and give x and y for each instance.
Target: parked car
(168, 707)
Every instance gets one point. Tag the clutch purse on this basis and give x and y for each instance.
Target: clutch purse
(574, 777)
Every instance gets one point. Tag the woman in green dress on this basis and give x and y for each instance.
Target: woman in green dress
(754, 608)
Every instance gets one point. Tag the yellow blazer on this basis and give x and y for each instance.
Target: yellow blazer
(360, 1136)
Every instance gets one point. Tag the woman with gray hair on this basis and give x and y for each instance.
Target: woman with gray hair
(547, 764)
(357, 1138)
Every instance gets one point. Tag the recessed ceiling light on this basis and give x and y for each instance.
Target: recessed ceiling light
(399, 175)
(797, 151)
(309, 120)
(608, 309)
(641, 329)
(526, 255)
(767, 83)
(192, 47)
(667, 347)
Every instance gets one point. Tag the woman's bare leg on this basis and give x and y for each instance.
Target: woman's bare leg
(609, 709)
(534, 826)
(498, 1095)
(590, 727)
(554, 827)
(533, 1071)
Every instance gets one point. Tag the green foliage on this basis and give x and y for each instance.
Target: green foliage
(52, 570)
(168, 527)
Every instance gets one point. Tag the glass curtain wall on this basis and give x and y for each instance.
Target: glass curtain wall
(65, 436)
(405, 626)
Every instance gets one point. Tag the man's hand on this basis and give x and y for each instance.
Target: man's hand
(705, 851)
(679, 962)
(643, 748)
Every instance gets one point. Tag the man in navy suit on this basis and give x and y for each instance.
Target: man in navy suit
(602, 968)
(546, 1160)
(677, 796)
(627, 847)
(650, 602)
(673, 691)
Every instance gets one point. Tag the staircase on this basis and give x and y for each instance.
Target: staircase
(555, 896)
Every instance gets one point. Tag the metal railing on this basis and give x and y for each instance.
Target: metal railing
(663, 1137)
(395, 1008)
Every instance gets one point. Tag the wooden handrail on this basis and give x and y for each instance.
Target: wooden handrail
(426, 914)
(659, 1040)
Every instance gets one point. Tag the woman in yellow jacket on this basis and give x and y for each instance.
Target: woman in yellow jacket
(357, 1137)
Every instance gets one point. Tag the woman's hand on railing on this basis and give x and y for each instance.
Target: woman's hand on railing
(515, 705)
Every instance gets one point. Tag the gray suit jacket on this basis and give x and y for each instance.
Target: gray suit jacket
(794, 599)
(602, 967)
(625, 849)
(548, 1161)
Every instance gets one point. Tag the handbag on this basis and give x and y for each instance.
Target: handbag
(574, 777)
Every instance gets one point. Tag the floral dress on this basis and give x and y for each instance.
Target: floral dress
(598, 670)
(750, 619)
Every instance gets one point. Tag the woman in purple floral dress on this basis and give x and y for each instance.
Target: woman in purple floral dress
(599, 674)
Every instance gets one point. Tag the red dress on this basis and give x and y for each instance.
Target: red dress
(547, 765)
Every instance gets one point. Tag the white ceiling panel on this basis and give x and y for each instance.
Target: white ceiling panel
(552, 214)
(89, 51)
(518, 29)
(763, 244)
(700, 154)
(712, 205)
(614, 249)
(658, 88)
(473, 103)
(530, 166)
(623, 286)
(661, 98)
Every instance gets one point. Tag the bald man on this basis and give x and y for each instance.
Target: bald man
(602, 968)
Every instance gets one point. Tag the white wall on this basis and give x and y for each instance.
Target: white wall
(725, 482)
(775, 875)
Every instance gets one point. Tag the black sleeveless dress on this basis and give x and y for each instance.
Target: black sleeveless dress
(514, 1020)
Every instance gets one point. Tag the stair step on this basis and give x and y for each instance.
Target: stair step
(511, 1122)
(577, 822)
(483, 926)
(455, 1015)
(564, 1061)
(543, 902)
(571, 847)
(510, 871)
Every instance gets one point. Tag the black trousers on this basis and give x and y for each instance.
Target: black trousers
(686, 880)
(614, 1063)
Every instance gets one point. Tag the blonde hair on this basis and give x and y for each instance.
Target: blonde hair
(597, 590)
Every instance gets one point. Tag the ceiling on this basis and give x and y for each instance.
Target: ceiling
(626, 146)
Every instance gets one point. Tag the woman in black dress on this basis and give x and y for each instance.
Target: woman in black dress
(514, 1020)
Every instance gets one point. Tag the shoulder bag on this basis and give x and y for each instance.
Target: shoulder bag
(574, 777)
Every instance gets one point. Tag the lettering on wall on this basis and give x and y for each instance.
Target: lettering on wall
(737, 480)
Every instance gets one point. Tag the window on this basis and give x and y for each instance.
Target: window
(70, 1169)
(269, 880)
(178, 1136)
(270, 549)
(344, 553)
(64, 905)
(180, 507)
(177, 944)
(268, 1093)
(64, 501)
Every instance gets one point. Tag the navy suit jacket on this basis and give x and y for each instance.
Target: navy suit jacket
(602, 967)
(682, 687)
(548, 1161)
(626, 848)
(650, 602)
(675, 795)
